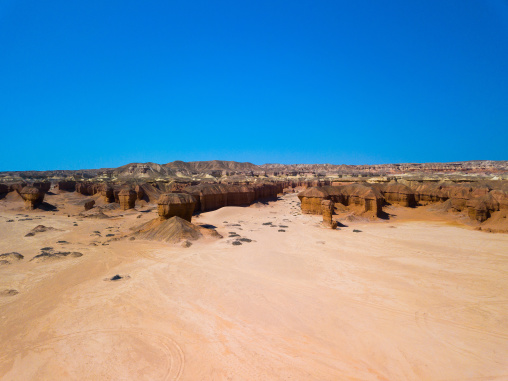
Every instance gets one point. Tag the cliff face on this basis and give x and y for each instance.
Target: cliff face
(215, 196)
(356, 197)
(399, 194)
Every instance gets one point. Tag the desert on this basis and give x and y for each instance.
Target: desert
(254, 190)
(272, 277)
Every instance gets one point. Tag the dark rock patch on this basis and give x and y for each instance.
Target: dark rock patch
(49, 255)
(40, 229)
(8, 292)
(117, 277)
(8, 258)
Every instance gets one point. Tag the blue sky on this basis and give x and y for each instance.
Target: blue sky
(95, 84)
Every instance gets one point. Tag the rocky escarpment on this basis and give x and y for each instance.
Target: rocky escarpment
(483, 202)
(215, 196)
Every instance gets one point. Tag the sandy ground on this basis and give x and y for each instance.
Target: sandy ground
(398, 300)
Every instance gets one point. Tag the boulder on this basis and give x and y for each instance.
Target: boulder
(176, 204)
(127, 198)
(33, 197)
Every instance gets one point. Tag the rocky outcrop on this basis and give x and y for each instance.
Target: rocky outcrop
(327, 211)
(89, 204)
(107, 194)
(356, 197)
(215, 196)
(32, 196)
(17, 186)
(140, 192)
(311, 198)
(398, 194)
(43, 186)
(68, 186)
(88, 188)
(4, 189)
(176, 204)
(426, 193)
(127, 198)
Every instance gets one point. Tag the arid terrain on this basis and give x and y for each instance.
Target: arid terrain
(255, 285)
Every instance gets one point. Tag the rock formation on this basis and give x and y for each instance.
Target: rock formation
(327, 211)
(43, 186)
(4, 189)
(215, 196)
(176, 204)
(140, 193)
(89, 204)
(127, 198)
(107, 193)
(17, 186)
(68, 186)
(399, 194)
(33, 197)
(356, 197)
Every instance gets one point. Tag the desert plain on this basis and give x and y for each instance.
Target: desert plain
(420, 296)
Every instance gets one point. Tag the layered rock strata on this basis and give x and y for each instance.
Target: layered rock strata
(127, 198)
(357, 197)
(107, 194)
(176, 204)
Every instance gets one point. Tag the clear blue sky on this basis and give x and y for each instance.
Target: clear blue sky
(89, 84)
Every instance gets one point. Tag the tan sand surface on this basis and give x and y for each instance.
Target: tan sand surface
(400, 300)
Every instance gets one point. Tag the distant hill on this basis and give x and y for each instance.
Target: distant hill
(220, 168)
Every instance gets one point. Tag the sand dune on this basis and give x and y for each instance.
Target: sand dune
(399, 300)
